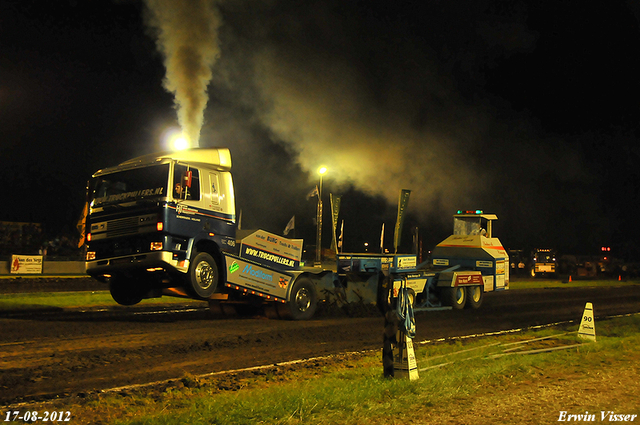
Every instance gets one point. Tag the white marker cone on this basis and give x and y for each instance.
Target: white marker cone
(587, 329)
(413, 365)
(405, 358)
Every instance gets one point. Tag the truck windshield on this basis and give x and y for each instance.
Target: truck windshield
(545, 256)
(465, 226)
(130, 185)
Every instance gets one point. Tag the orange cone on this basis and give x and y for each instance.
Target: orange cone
(619, 278)
(569, 278)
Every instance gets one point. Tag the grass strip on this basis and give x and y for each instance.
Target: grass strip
(534, 283)
(48, 300)
(84, 299)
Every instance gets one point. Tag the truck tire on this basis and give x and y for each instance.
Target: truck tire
(124, 291)
(203, 276)
(475, 295)
(455, 297)
(303, 300)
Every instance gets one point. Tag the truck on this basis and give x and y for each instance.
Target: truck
(165, 224)
(544, 262)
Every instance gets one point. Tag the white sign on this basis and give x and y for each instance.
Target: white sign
(407, 262)
(26, 264)
(272, 250)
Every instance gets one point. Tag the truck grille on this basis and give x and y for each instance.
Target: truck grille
(122, 227)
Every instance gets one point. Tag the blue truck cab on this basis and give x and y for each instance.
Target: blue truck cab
(161, 222)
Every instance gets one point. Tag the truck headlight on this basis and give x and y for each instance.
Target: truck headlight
(91, 255)
(156, 246)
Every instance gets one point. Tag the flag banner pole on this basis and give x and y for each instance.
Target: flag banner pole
(403, 202)
(335, 210)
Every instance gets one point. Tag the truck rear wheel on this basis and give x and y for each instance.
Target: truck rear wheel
(126, 291)
(475, 294)
(203, 276)
(455, 297)
(303, 300)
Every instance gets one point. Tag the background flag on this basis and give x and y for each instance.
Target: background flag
(314, 192)
(290, 225)
(82, 224)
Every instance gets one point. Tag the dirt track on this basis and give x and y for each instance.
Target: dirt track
(74, 352)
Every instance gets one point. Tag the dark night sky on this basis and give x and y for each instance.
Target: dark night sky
(524, 109)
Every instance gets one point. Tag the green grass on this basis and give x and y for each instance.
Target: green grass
(54, 300)
(352, 391)
(529, 283)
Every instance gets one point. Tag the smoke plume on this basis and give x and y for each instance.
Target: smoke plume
(187, 37)
(388, 106)
(323, 113)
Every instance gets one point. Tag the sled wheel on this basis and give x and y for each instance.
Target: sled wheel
(456, 297)
(203, 276)
(303, 300)
(412, 297)
(475, 295)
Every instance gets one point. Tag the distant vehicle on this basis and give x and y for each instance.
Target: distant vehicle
(518, 262)
(544, 262)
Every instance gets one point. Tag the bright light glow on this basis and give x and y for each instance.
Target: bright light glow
(180, 143)
(173, 139)
(322, 170)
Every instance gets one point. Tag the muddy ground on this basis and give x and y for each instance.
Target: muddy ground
(74, 352)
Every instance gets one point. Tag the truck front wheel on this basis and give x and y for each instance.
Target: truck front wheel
(203, 276)
(456, 297)
(475, 294)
